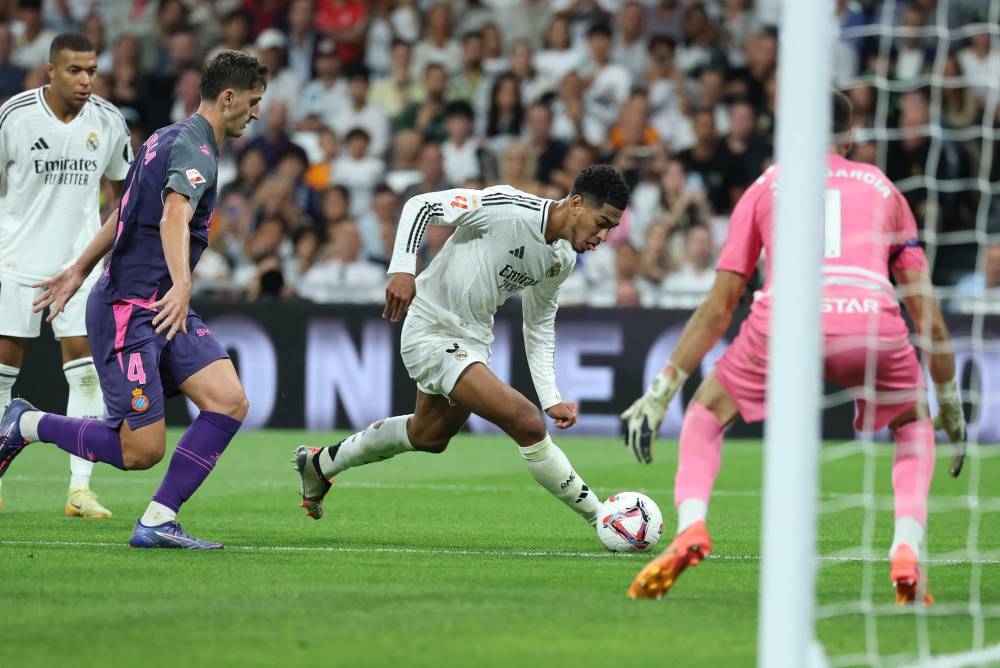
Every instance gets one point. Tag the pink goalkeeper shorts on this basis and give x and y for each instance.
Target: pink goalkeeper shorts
(885, 379)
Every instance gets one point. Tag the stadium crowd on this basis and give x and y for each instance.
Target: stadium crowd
(372, 102)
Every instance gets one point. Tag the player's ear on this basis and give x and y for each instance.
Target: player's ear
(227, 96)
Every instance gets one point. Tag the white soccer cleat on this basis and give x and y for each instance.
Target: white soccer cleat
(314, 484)
(82, 502)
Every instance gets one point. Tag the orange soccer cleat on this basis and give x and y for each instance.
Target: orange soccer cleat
(907, 578)
(688, 548)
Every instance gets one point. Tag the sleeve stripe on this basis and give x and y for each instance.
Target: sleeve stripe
(511, 196)
(545, 215)
(523, 205)
(417, 231)
(14, 107)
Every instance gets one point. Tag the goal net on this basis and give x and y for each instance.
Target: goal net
(926, 112)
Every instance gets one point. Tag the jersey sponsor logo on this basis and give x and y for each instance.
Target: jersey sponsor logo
(849, 305)
(517, 252)
(194, 177)
(140, 402)
(40, 144)
(512, 280)
(92, 141)
(66, 171)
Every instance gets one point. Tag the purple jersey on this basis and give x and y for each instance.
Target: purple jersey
(182, 158)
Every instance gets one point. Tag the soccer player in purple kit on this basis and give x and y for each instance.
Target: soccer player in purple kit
(147, 342)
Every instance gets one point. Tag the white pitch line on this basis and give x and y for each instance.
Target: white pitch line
(471, 553)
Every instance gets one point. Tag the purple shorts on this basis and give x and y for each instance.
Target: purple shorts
(139, 369)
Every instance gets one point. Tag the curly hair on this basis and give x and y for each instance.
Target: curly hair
(601, 184)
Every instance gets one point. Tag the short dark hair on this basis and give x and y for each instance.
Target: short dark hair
(600, 185)
(71, 41)
(459, 108)
(841, 113)
(231, 69)
(357, 71)
(599, 28)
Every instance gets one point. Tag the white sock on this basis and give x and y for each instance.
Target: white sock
(85, 400)
(156, 514)
(909, 532)
(29, 424)
(8, 376)
(550, 467)
(376, 442)
(689, 512)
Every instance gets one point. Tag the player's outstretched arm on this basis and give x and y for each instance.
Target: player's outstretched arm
(934, 339)
(61, 287)
(707, 324)
(175, 235)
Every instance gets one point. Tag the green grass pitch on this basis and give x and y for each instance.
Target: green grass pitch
(450, 560)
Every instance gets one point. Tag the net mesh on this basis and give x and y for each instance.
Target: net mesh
(944, 159)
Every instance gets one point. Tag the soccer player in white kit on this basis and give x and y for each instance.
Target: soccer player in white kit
(56, 143)
(869, 231)
(505, 242)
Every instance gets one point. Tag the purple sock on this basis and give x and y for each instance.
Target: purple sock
(84, 437)
(195, 456)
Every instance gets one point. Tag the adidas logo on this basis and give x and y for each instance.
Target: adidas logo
(39, 144)
(517, 252)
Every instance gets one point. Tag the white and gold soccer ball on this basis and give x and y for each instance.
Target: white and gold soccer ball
(629, 522)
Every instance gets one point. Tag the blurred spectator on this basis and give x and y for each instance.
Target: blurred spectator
(710, 161)
(471, 15)
(525, 19)
(694, 276)
(344, 276)
(700, 45)
(578, 157)
(737, 21)
(461, 150)
(358, 113)
(980, 62)
(630, 43)
(959, 105)
(517, 169)
(263, 244)
(358, 170)
(345, 21)
(11, 75)
(761, 51)
(709, 94)
(437, 45)
(268, 282)
(632, 129)
(913, 52)
(251, 168)
(322, 96)
(572, 118)
(274, 139)
(263, 14)
(466, 82)
(558, 57)
(396, 90)
(93, 29)
(494, 61)
(549, 152)
(862, 95)
(666, 86)
(292, 165)
(981, 286)
(666, 18)
(431, 167)
(505, 115)
(187, 95)
(302, 38)
(427, 117)
(607, 83)
(31, 38)
(334, 208)
(378, 225)
(320, 171)
(282, 83)
(748, 151)
(237, 34)
(533, 84)
(170, 17)
(128, 17)
(404, 171)
(305, 248)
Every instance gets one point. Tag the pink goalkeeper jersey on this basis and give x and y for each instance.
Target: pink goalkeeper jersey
(868, 227)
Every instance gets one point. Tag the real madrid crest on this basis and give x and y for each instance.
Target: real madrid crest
(554, 270)
(92, 142)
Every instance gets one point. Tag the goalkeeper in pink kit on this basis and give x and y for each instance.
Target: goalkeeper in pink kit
(869, 231)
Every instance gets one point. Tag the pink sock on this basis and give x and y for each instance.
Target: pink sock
(913, 469)
(700, 454)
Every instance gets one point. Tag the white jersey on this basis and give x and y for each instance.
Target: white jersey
(50, 179)
(498, 248)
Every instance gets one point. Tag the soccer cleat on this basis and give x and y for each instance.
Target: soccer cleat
(688, 548)
(907, 578)
(168, 535)
(82, 502)
(11, 440)
(314, 483)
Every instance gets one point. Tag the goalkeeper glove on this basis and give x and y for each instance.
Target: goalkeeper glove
(643, 417)
(951, 419)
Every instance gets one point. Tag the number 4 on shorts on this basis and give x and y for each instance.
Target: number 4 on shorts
(135, 370)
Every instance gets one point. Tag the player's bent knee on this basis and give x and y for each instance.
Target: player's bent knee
(435, 444)
(528, 426)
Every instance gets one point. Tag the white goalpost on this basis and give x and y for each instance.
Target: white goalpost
(792, 430)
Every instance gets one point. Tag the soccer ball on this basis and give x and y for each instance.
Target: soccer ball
(629, 522)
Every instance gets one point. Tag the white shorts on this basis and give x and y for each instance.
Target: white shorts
(18, 320)
(435, 358)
